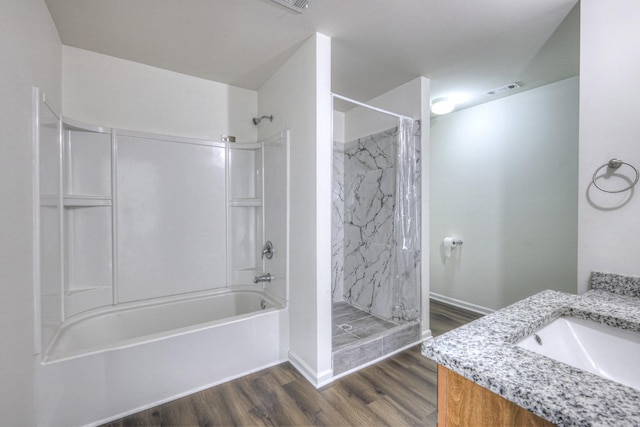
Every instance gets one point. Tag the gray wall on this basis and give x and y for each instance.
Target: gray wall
(504, 179)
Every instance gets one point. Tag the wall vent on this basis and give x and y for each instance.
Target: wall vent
(296, 5)
(504, 88)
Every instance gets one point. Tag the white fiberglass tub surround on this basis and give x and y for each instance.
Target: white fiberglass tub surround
(601, 349)
(111, 364)
(147, 247)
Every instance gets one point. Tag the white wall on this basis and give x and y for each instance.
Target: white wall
(299, 97)
(609, 228)
(338, 126)
(114, 92)
(404, 99)
(425, 197)
(504, 180)
(31, 50)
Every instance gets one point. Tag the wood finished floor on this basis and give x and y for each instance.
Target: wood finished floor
(399, 391)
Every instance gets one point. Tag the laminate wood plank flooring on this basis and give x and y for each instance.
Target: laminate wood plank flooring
(443, 317)
(399, 391)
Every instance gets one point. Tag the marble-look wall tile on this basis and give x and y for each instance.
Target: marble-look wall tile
(369, 174)
(363, 245)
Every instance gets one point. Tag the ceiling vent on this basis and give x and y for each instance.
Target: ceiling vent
(296, 5)
(502, 89)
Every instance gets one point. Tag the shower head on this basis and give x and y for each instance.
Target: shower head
(257, 120)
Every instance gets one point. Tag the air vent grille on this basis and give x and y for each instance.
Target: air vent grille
(297, 5)
(504, 88)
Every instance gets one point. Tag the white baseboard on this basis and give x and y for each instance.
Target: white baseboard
(316, 379)
(461, 304)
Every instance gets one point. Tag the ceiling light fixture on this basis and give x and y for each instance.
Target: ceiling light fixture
(442, 106)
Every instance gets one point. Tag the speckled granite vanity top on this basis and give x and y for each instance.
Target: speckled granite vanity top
(484, 351)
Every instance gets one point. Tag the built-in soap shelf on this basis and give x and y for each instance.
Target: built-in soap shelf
(86, 201)
(246, 146)
(245, 202)
(87, 172)
(245, 215)
(78, 291)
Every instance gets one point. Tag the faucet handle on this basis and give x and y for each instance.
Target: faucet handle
(267, 250)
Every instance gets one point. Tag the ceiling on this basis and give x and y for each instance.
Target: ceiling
(465, 46)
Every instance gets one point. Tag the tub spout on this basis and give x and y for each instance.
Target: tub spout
(262, 278)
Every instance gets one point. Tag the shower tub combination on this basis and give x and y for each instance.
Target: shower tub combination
(113, 363)
(148, 246)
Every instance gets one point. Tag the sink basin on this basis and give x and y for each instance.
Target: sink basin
(603, 350)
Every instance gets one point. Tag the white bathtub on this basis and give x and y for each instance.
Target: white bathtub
(112, 363)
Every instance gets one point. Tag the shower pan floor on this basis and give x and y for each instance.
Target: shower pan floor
(359, 337)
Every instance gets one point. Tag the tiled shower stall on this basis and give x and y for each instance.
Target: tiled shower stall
(373, 313)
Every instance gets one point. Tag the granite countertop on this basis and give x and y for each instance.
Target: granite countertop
(484, 352)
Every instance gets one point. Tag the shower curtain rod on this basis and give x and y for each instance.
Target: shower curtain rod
(362, 104)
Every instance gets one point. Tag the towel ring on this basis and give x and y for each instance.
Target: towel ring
(615, 164)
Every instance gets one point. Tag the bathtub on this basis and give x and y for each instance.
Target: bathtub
(110, 363)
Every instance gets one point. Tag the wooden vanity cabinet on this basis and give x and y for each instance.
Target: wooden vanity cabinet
(462, 402)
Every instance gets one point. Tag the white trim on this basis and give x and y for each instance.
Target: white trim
(426, 335)
(316, 379)
(370, 107)
(61, 219)
(114, 218)
(287, 137)
(461, 304)
(227, 213)
(171, 138)
(35, 176)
